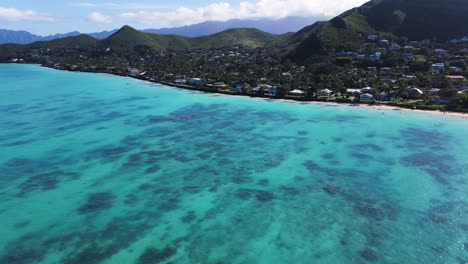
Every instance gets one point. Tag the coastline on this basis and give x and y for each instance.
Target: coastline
(379, 107)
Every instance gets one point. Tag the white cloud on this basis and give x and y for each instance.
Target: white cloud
(121, 6)
(99, 18)
(13, 14)
(248, 9)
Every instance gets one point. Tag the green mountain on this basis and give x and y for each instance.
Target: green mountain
(127, 40)
(248, 37)
(415, 19)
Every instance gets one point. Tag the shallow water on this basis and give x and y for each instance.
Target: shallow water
(103, 169)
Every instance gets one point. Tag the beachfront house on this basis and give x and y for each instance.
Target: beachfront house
(325, 92)
(180, 81)
(196, 82)
(366, 97)
(220, 85)
(384, 96)
(255, 90)
(297, 92)
(133, 71)
(271, 91)
(415, 93)
(353, 92)
(240, 87)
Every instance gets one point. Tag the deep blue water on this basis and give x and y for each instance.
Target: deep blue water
(103, 169)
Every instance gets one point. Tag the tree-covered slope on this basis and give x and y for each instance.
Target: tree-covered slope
(415, 19)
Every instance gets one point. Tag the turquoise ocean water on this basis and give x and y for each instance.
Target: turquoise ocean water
(104, 169)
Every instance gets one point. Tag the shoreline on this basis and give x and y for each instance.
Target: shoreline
(378, 107)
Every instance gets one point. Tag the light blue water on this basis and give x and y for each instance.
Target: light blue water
(103, 169)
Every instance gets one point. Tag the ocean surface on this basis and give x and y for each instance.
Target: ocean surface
(102, 169)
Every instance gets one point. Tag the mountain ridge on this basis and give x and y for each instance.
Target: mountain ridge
(127, 40)
(273, 26)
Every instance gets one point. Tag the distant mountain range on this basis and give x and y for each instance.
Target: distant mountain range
(279, 26)
(24, 37)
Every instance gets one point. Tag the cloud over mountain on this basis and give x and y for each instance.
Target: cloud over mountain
(13, 15)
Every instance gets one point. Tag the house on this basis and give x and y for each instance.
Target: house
(196, 82)
(425, 42)
(366, 97)
(325, 92)
(271, 91)
(455, 77)
(255, 90)
(408, 56)
(384, 42)
(440, 51)
(360, 57)
(385, 70)
(394, 47)
(376, 56)
(372, 37)
(345, 54)
(433, 91)
(353, 92)
(133, 71)
(240, 87)
(385, 97)
(415, 93)
(180, 81)
(463, 51)
(220, 85)
(297, 92)
(439, 67)
(368, 90)
(455, 69)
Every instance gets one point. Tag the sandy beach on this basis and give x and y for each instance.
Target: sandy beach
(386, 108)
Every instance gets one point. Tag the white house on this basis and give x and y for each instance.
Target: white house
(440, 67)
(325, 92)
(297, 92)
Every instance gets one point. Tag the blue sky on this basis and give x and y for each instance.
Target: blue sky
(45, 17)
